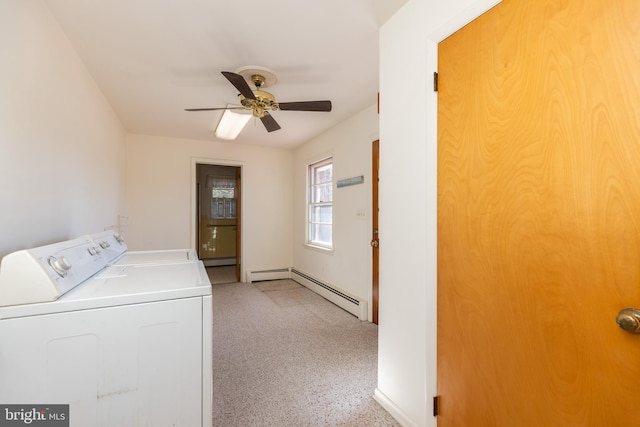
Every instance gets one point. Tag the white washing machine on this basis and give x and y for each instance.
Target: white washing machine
(122, 345)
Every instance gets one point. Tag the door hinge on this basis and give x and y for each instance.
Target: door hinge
(435, 82)
(436, 403)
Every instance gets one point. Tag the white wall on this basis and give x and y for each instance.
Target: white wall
(161, 196)
(348, 266)
(408, 203)
(61, 145)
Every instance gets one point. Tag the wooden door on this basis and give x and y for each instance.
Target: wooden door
(375, 241)
(539, 215)
(238, 222)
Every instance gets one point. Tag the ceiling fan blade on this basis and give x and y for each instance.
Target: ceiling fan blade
(269, 122)
(240, 83)
(306, 106)
(214, 109)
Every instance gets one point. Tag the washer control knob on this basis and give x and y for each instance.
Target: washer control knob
(104, 244)
(60, 265)
(64, 263)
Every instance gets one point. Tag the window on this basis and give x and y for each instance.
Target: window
(223, 196)
(321, 204)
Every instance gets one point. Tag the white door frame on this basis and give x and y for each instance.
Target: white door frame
(194, 202)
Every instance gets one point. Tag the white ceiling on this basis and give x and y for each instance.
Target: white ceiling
(154, 58)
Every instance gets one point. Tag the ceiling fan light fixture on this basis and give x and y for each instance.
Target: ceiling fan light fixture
(259, 103)
(231, 124)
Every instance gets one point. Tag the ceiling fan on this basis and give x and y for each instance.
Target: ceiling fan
(261, 102)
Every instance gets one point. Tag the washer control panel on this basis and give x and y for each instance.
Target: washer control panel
(45, 273)
(111, 244)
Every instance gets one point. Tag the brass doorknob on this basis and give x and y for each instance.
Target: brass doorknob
(629, 320)
(375, 243)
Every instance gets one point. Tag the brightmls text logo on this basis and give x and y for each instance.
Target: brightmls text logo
(34, 415)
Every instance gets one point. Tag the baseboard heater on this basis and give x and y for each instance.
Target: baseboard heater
(340, 298)
(257, 276)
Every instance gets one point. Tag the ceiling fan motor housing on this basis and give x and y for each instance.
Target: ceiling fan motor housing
(264, 101)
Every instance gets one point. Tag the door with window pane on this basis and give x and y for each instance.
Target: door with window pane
(218, 203)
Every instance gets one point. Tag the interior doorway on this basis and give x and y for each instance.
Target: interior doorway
(218, 220)
(375, 241)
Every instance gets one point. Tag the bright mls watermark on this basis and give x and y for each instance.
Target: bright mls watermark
(34, 415)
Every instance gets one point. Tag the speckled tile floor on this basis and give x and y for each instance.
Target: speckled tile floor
(284, 356)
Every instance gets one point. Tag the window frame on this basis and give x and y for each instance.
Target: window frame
(311, 204)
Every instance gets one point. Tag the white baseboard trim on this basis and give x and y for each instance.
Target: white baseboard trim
(339, 297)
(275, 274)
(391, 408)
